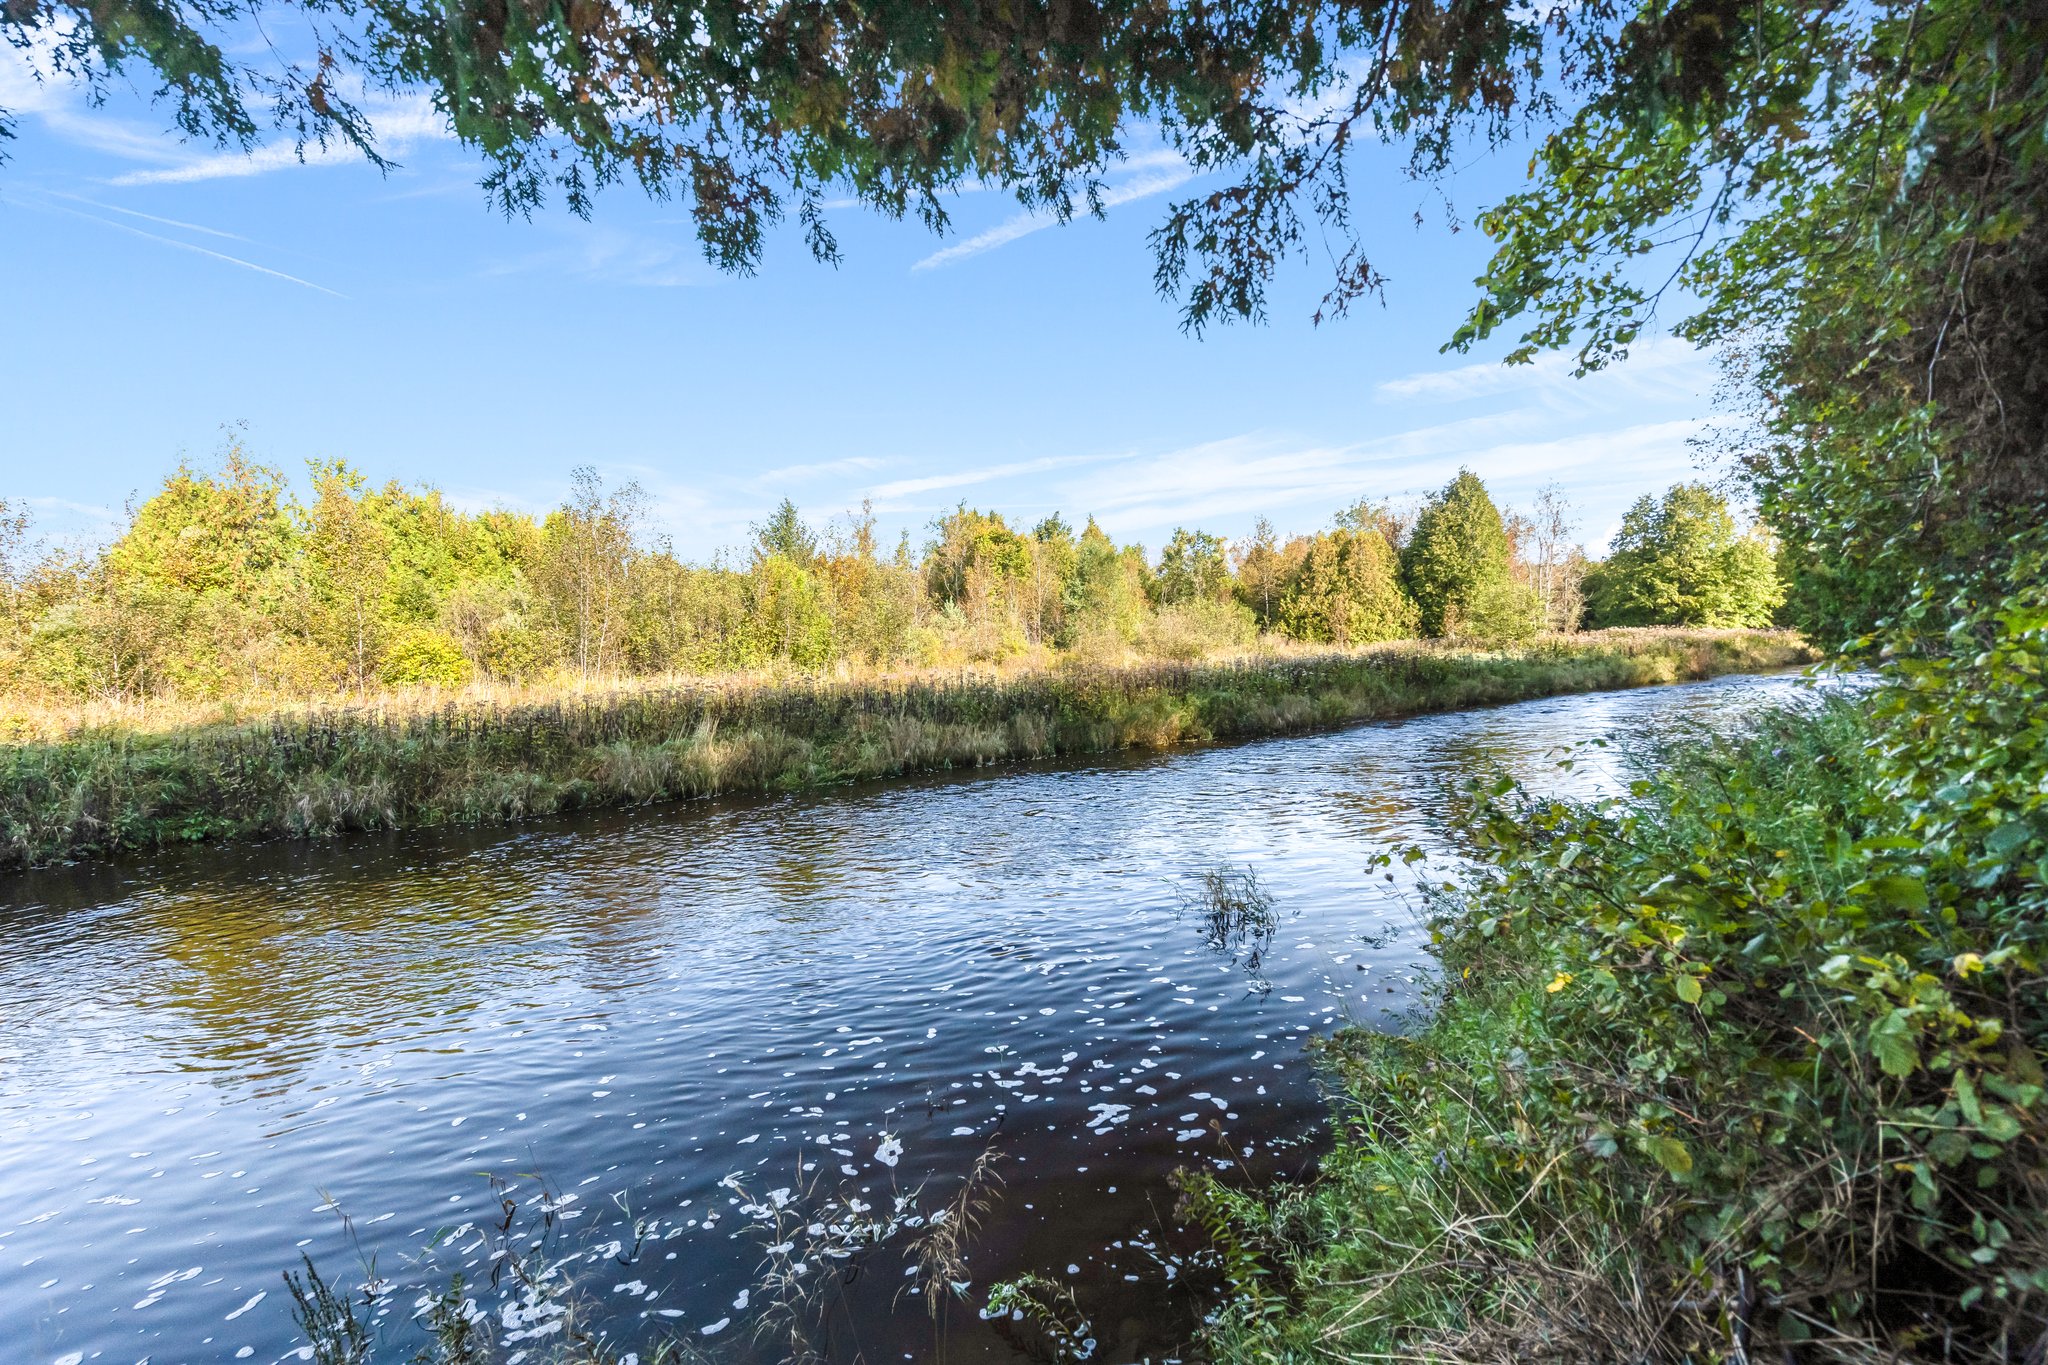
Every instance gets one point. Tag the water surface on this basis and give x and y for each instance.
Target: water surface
(732, 1038)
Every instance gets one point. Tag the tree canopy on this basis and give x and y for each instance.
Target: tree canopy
(1682, 559)
(1348, 591)
(231, 582)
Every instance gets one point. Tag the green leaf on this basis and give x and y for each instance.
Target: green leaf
(1689, 989)
(1672, 1155)
(1898, 890)
(1999, 1125)
(2008, 838)
(1892, 1043)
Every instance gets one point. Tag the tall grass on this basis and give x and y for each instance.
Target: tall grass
(401, 764)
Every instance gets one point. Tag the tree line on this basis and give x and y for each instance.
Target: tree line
(228, 583)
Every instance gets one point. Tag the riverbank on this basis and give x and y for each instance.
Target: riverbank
(324, 772)
(1746, 1065)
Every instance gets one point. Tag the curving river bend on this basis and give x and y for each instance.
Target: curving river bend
(702, 1046)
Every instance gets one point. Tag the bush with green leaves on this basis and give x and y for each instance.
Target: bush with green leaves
(417, 655)
(1748, 1063)
(1500, 612)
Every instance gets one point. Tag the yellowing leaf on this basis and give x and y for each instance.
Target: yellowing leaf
(1672, 1155)
(1559, 982)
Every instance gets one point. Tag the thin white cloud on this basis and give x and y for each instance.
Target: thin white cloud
(612, 256)
(1164, 172)
(399, 124)
(185, 246)
(272, 156)
(92, 511)
(1271, 473)
(1552, 369)
(151, 217)
(806, 473)
(31, 86)
(904, 488)
(1222, 482)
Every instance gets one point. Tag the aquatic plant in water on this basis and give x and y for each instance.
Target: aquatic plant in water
(1237, 918)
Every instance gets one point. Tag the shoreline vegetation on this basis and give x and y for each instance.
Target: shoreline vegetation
(1740, 1065)
(429, 757)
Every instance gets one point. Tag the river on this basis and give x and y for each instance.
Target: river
(726, 1061)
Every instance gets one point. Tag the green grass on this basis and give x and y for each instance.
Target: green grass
(99, 792)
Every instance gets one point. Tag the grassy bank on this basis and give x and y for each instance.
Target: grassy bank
(1745, 1066)
(320, 773)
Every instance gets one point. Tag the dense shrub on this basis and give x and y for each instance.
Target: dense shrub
(418, 655)
(1347, 590)
(1198, 627)
(1502, 612)
(1749, 1061)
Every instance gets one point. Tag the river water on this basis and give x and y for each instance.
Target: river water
(708, 1072)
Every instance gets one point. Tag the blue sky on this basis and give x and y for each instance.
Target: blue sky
(157, 291)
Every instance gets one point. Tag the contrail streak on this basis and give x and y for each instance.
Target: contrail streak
(188, 246)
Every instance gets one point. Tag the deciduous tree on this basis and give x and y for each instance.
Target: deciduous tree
(1194, 566)
(1681, 560)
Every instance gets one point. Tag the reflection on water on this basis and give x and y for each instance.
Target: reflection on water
(732, 1037)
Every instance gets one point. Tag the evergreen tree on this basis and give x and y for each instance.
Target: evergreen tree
(1348, 592)
(1457, 553)
(785, 534)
